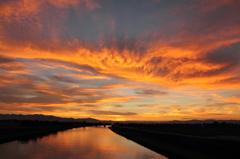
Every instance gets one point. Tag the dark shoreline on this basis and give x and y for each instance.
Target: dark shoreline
(7, 135)
(176, 146)
(11, 130)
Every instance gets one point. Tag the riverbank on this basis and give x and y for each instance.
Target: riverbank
(181, 146)
(16, 129)
(11, 134)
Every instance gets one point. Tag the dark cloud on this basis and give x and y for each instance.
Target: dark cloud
(226, 58)
(39, 24)
(88, 105)
(85, 67)
(201, 22)
(62, 78)
(77, 24)
(55, 108)
(212, 114)
(4, 59)
(118, 106)
(6, 77)
(10, 64)
(43, 90)
(22, 29)
(20, 95)
(10, 107)
(101, 112)
(233, 80)
(236, 96)
(149, 92)
(148, 105)
(41, 96)
(162, 112)
(49, 108)
(210, 100)
(80, 92)
(222, 104)
(225, 55)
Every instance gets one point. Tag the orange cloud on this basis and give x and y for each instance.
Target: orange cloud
(14, 67)
(102, 112)
(87, 53)
(90, 77)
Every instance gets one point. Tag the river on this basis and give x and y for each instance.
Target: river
(77, 143)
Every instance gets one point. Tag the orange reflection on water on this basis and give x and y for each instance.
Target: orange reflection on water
(89, 142)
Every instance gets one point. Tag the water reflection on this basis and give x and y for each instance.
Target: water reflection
(26, 140)
(84, 143)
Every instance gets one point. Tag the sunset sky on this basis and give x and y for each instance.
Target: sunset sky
(152, 60)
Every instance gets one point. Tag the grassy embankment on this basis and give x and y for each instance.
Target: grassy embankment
(178, 142)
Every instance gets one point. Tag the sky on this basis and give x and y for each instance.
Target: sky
(141, 60)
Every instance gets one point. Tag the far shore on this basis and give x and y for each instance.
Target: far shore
(15, 130)
(11, 134)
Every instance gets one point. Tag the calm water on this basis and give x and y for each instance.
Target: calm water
(78, 143)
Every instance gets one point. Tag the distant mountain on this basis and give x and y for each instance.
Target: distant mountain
(208, 121)
(41, 117)
(194, 121)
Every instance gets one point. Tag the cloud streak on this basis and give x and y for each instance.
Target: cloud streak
(103, 112)
(149, 92)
